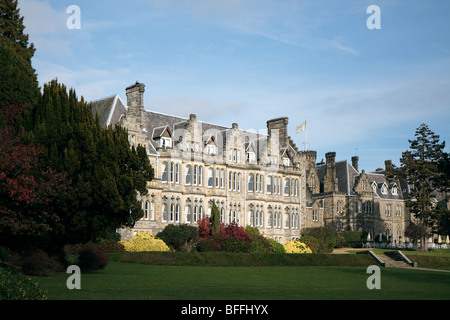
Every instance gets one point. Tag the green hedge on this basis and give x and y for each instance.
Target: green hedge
(234, 259)
(16, 286)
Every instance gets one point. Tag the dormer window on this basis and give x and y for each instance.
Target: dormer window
(374, 187)
(286, 162)
(165, 142)
(384, 189)
(251, 156)
(164, 136)
(394, 190)
(211, 149)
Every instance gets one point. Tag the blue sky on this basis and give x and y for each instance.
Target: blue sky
(363, 92)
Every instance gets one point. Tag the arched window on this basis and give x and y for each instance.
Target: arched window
(146, 205)
(250, 182)
(152, 210)
(339, 207)
(172, 212)
(188, 212)
(287, 220)
(200, 176)
(312, 183)
(270, 220)
(222, 175)
(164, 210)
(217, 178)
(210, 178)
(251, 219)
(279, 185)
(177, 173)
(195, 213)
(399, 211)
(188, 174)
(295, 221)
(164, 169)
(269, 184)
(195, 176)
(177, 213)
(222, 215)
(172, 171)
(286, 186)
(201, 214)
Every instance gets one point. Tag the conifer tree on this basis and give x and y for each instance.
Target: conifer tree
(19, 81)
(421, 167)
(12, 29)
(215, 219)
(104, 170)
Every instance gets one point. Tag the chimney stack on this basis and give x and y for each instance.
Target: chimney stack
(387, 164)
(330, 176)
(135, 95)
(279, 125)
(355, 162)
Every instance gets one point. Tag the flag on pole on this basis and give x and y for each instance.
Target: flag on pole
(301, 127)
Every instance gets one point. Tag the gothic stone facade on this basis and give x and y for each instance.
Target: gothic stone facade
(255, 179)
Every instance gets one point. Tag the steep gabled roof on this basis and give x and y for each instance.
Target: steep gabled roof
(109, 109)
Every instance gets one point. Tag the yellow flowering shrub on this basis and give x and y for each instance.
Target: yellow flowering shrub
(144, 241)
(296, 247)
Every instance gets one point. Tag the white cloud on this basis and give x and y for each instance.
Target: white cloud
(40, 18)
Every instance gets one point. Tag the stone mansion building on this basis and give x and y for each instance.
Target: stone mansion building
(255, 179)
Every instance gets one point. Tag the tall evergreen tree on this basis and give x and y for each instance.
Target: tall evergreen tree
(421, 168)
(105, 171)
(12, 29)
(215, 219)
(18, 83)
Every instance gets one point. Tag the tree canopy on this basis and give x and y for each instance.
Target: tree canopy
(18, 83)
(105, 172)
(423, 168)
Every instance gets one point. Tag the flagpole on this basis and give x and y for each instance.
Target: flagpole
(306, 136)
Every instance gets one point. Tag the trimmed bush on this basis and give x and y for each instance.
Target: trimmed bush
(91, 259)
(314, 244)
(105, 245)
(16, 286)
(4, 254)
(144, 241)
(352, 239)
(179, 237)
(40, 264)
(296, 247)
(276, 246)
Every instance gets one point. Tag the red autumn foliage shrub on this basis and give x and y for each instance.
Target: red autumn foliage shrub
(91, 259)
(230, 238)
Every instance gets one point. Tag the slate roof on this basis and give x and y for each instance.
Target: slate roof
(109, 109)
(347, 176)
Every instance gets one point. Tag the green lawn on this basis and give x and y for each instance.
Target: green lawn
(122, 280)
